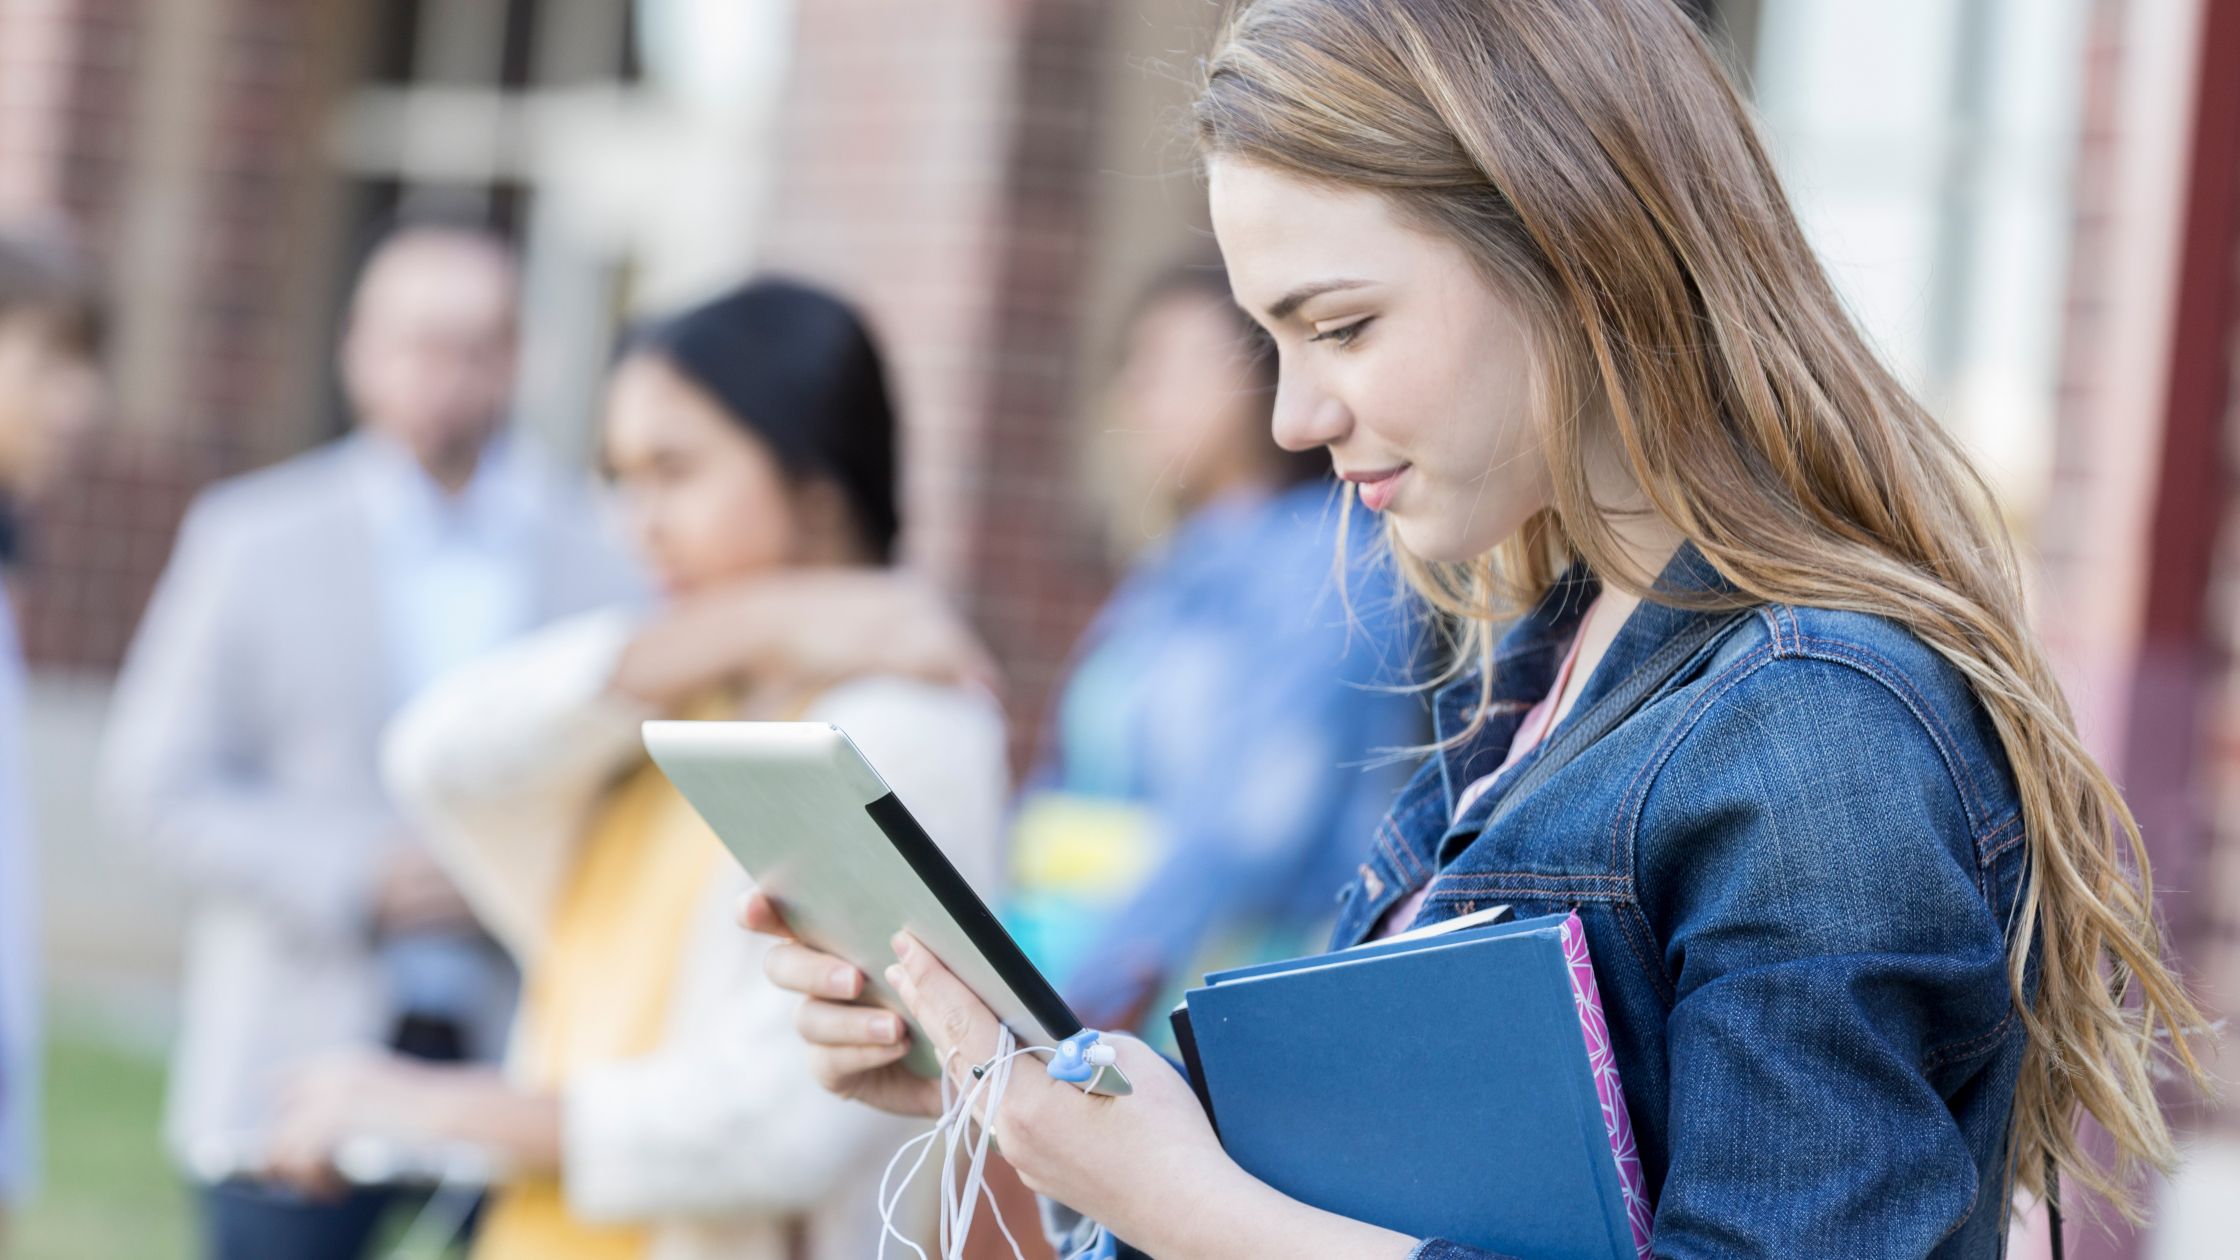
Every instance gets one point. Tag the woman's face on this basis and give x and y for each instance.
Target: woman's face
(1188, 401)
(49, 395)
(1395, 353)
(707, 502)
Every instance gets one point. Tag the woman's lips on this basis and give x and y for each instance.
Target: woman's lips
(1377, 488)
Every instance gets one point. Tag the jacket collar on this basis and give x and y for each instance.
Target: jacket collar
(1526, 659)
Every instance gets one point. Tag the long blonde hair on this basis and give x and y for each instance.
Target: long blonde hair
(1597, 164)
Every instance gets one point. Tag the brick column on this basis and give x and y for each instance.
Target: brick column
(934, 163)
(2138, 567)
(2205, 396)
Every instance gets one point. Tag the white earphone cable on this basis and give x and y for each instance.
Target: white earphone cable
(959, 1132)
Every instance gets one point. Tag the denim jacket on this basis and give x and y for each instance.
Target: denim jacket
(1797, 860)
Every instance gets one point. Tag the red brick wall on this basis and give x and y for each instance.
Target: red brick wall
(2181, 688)
(2061, 568)
(935, 164)
(90, 541)
(99, 544)
(1036, 566)
(2205, 395)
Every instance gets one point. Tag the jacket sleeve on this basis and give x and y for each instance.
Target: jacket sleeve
(182, 765)
(1827, 949)
(500, 761)
(726, 1117)
(1808, 861)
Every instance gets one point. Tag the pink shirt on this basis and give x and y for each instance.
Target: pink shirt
(1537, 722)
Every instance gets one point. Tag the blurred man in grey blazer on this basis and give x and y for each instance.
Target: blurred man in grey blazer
(302, 606)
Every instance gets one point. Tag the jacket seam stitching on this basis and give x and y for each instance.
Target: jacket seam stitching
(1637, 791)
(2008, 835)
(1380, 854)
(1954, 1051)
(1962, 1219)
(1463, 877)
(1405, 862)
(1770, 614)
(1445, 893)
(1635, 799)
(1885, 672)
(1643, 948)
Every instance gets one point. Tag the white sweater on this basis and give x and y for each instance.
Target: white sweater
(720, 1138)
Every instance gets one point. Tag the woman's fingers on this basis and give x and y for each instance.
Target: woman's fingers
(838, 1024)
(844, 1069)
(757, 913)
(961, 1026)
(811, 973)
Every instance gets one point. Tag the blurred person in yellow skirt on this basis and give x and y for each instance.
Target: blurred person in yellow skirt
(657, 1104)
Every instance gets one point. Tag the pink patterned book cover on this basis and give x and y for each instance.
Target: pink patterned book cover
(1604, 1064)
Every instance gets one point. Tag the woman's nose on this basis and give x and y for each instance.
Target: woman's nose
(1306, 417)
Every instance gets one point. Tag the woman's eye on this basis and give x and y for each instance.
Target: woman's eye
(668, 469)
(1344, 334)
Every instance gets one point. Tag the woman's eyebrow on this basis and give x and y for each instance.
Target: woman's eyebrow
(1293, 300)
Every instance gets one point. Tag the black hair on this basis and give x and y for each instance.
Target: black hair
(797, 367)
(46, 278)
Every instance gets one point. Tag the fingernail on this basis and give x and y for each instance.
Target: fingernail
(844, 979)
(902, 945)
(897, 977)
(886, 1028)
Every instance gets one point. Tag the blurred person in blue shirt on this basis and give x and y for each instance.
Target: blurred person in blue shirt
(304, 604)
(1218, 756)
(49, 389)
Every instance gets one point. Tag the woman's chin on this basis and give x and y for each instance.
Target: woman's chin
(1454, 540)
(1435, 542)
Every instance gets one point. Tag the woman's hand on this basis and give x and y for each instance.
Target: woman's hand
(371, 1094)
(1132, 1163)
(328, 1101)
(832, 624)
(855, 1048)
(810, 628)
(1147, 1166)
(1121, 1161)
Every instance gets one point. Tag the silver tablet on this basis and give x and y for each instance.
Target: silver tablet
(803, 811)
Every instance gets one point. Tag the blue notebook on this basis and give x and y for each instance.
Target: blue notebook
(1439, 1086)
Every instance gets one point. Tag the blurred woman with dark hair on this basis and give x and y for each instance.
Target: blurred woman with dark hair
(658, 1103)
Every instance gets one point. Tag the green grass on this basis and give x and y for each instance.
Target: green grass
(109, 1190)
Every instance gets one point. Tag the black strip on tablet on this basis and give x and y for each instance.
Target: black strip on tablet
(972, 914)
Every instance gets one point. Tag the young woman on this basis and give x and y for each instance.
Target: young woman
(649, 1111)
(1202, 786)
(1870, 926)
